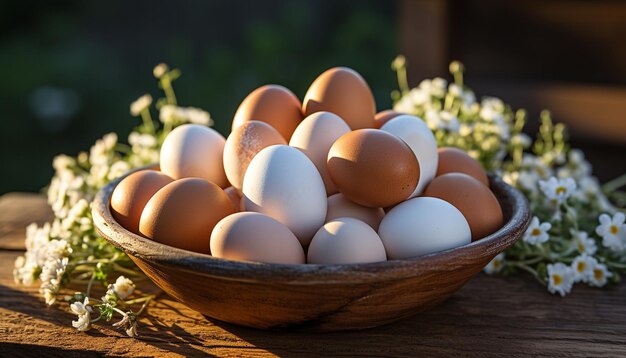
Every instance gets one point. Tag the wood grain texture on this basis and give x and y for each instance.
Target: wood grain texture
(313, 297)
(17, 210)
(488, 317)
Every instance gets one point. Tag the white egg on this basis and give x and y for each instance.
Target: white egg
(283, 183)
(345, 241)
(194, 151)
(314, 136)
(421, 226)
(340, 207)
(420, 138)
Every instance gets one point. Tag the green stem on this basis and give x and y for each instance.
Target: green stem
(615, 184)
(529, 270)
(93, 277)
(147, 120)
(125, 270)
(166, 84)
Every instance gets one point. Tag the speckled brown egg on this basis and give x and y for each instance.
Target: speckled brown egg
(132, 194)
(274, 105)
(454, 160)
(385, 116)
(344, 92)
(243, 143)
(183, 213)
(473, 199)
(373, 168)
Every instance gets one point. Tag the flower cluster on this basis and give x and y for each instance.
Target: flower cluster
(576, 233)
(68, 250)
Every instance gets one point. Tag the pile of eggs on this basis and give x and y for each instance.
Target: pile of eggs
(323, 181)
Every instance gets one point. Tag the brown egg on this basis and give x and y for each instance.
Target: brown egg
(384, 117)
(251, 236)
(373, 168)
(454, 160)
(473, 199)
(243, 143)
(183, 213)
(343, 92)
(274, 105)
(131, 195)
(235, 197)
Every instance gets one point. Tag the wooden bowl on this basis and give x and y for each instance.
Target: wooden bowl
(318, 297)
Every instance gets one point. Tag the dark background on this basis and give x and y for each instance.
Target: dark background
(69, 69)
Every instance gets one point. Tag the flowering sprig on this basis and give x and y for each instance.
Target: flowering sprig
(68, 250)
(576, 234)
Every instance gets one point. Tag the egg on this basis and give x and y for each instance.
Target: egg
(383, 117)
(373, 168)
(243, 143)
(344, 92)
(473, 199)
(131, 195)
(422, 226)
(345, 241)
(314, 136)
(339, 207)
(454, 160)
(183, 213)
(274, 105)
(420, 138)
(235, 198)
(194, 151)
(257, 237)
(284, 184)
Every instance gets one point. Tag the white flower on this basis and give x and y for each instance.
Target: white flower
(557, 190)
(118, 169)
(198, 116)
(582, 266)
(123, 287)
(537, 233)
(495, 265)
(560, 278)
(142, 140)
(600, 275)
(173, 114)
(613, 231)
(140, 104)
(160, 69)
(583, 243)
(537, 165)
(83, 323)
(442, 120)
(81, 308)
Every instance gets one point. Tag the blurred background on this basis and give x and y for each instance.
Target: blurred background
(69, 69)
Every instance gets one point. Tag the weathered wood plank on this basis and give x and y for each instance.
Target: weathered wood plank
(490, 316)
(17, 210)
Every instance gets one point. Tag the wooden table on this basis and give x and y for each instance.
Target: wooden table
(490, 316)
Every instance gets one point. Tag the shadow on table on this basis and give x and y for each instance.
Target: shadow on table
(435, 332)
(19, 350)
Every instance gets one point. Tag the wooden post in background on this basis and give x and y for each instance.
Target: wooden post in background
(423, 37)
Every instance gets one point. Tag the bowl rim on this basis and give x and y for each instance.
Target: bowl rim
(246, 271)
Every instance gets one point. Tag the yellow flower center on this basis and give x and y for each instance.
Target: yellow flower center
(581, 247)
(535, 232)
(560, 190)
(598, 274)
(614, 230)
(581, 267)
(557, 279)
(496, 264)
